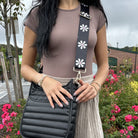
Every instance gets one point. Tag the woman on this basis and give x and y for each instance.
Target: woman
(51, 29)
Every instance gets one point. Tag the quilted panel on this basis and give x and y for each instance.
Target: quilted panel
(41, 120)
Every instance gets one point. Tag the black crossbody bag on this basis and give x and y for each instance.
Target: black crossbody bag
(39, 119)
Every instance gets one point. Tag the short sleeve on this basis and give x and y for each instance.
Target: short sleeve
(101, 21)
(31, 20)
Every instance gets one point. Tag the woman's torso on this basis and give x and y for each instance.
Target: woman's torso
(63, 42)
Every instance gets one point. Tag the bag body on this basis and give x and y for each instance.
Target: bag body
(41, 120)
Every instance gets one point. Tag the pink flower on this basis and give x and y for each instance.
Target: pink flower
(18, 132)
(107, 79)
(13, 114)
(4, 121)
(135, 107)
(1, 126)
(4, 114)
(7, 106)
(133, 72)
(115, 92)
(112, 118)
(122, 131)
(118, 111)
(125, 131)
(7, 136)
(120, 71)
(112, 81)
(18, 105)
(112, 111)
(9, 129)
(130, 128)
(128, 136)
(10, 124)
(111, 71)
(116, 79)
(135, 117)
(128, 118)
(114, 75)
(8, 118)
(117, 108)
(4, 109)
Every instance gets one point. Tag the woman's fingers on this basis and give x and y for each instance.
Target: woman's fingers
(80, 89)
(62, 98)
(50, 101)
(85, 97)
(64, 91)
(93, 95)
(83, 93)
(53, 89)
(57, 100)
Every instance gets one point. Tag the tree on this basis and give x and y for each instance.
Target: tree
(134, 48)
(10, 9)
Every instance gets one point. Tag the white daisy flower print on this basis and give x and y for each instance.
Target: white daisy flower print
(84, 28)
(82, 44)
(80, 63)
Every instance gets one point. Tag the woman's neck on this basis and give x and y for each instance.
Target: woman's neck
(68, 4)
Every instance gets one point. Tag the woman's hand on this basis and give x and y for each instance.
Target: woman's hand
(86, 92)
(54, 89)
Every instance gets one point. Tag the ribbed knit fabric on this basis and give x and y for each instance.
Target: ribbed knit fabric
(88, 123)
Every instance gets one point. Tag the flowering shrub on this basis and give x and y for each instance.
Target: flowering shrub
(10, 120)
(118, 105)
(134, 74)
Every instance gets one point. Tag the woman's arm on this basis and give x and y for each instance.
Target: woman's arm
(101, 54)
(87, 90)
(29, 55)
(51, 87)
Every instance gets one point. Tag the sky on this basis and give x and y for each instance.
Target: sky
(122, 19)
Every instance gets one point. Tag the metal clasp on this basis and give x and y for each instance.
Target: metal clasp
(85, 15)
(78, 77)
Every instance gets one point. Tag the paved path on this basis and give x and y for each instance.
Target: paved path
(3, 91)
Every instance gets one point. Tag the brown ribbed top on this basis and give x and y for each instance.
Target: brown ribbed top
(63, 41)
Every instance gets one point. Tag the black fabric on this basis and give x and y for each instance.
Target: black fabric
(39, 119)
(83, 35)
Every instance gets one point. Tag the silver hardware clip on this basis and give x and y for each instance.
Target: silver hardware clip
(78, 77)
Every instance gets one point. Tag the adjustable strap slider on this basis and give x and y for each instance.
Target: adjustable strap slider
(85, 15)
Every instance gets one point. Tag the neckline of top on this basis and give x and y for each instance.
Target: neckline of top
(70, 9)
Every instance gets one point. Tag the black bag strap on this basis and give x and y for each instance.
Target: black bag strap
(82, 42)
